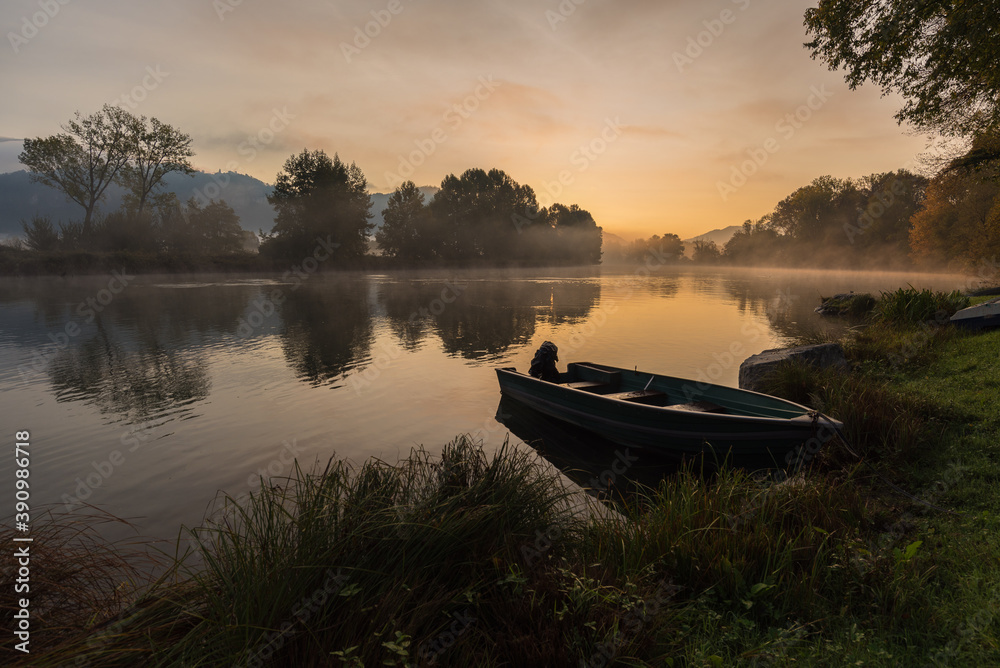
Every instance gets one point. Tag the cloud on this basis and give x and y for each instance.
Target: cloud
(650, 131)
(559, 80)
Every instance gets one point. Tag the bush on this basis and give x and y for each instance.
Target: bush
(909, 306)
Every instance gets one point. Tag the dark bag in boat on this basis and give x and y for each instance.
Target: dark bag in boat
(544, 364)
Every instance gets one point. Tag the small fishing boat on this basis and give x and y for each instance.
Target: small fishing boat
(670, 416)
(980, 316)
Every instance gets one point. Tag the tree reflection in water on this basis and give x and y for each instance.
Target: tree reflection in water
(328, 329)
(480, 320)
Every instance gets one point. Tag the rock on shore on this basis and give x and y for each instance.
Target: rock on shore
(756, 367)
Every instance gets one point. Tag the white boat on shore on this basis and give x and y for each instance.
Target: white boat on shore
(980, 316)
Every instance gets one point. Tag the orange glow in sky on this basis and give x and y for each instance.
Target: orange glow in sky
(678, 116)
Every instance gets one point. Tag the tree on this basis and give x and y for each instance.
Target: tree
(577, 235)
(668, 248)
(319, 200)
(216, 227)
(404, 232)
(40, 234)
(157, 150)
(706, 252)
(476, 214)
(890, 200)
(84, 159)
(940, 55)
(756, 243)
(959, 223)
(210, 230)
(123, 230)
(815, 214)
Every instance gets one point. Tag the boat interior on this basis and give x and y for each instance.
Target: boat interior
(609, 383)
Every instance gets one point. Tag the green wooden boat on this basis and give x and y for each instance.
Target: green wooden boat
(674, 417)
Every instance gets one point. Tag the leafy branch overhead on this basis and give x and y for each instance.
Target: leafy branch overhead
(940, 55)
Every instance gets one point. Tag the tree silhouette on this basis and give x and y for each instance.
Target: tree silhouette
(319, 201)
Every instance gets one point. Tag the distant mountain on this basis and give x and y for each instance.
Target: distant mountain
(720, 237)
(611, 239)
(20, 199)
(381, 200)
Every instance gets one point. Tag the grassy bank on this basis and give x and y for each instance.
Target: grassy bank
(474, 559)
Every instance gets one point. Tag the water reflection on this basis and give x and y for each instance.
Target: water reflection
(138, 355)
(149, 350)
(604, 469)
(402, 301)
(133, 383)
(480, 320)
(788, 307)
(328, 329)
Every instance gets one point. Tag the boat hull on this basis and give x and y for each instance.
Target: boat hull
(980, 316)
(739, 439)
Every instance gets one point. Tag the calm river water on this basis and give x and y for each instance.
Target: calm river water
(147, 398)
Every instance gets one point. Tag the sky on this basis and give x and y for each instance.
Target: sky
(657, 116)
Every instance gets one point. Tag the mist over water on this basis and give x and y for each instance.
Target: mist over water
(149, 402)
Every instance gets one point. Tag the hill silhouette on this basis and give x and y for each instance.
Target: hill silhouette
(20, 199)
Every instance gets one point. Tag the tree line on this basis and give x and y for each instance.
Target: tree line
(891, 220)
(487, 216)
(480, 216)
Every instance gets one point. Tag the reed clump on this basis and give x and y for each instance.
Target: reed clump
(909, 306)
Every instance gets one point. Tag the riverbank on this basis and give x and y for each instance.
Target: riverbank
(476, 559)
(24, 262)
